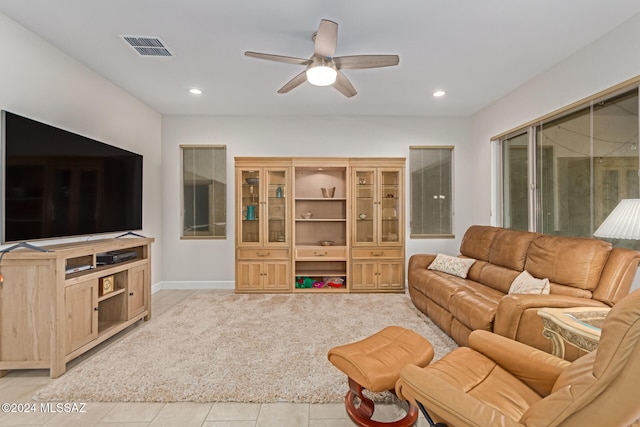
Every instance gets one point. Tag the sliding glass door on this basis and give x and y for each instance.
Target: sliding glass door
(565, 175)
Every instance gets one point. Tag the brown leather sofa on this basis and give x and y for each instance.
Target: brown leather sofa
(581, 271)
(500, 382)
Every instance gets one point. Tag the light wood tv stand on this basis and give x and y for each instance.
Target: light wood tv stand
(49, 316)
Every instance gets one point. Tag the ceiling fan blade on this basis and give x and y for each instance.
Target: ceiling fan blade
(365, 61)
(343, 84)
(326, 39)
(294, 82)
(278, 58)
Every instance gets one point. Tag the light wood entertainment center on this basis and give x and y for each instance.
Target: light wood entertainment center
(52, 306)
(319, 224)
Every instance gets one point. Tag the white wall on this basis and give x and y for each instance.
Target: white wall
(610, 60)
(41, 82)
(210, 263)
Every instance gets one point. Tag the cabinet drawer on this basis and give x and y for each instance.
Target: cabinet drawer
(321, 252)
(263, 253)
(377, 253)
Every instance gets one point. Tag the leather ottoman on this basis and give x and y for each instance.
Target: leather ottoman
(374, 364)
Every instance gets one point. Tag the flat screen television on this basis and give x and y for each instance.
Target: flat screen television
(58, 184)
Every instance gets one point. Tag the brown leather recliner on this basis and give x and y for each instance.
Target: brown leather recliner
(500, 382)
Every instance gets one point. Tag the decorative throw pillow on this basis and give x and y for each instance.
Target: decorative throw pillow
(525, 283)
(452, 265)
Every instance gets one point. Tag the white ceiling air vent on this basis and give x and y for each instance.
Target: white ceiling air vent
(148, 45)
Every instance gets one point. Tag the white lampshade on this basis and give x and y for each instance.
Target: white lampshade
(322, 74)
(623, 222)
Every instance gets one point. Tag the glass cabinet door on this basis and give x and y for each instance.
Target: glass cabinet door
(277, 206)
(365, 204)
(377, 206)
(250, 202)
(390, 206)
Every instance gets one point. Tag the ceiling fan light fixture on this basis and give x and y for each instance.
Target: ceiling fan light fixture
(323, 67)
(322, 73)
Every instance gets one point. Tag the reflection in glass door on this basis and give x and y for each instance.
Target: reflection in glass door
(276, 206)
(389, 199)
(377, 206)
(365, 205)
(515, 185)
(250, 203)
(581, 163)
(586, 162)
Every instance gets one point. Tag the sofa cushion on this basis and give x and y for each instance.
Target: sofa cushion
(436, 285)
(441, 317)
(569, 291)
(525, 283)
(475, 305)
(493, 276)
(459, 332)
(452, 265)
(509, 248)
(572, 261)
(476, 242)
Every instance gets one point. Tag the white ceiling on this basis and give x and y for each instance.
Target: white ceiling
(477, 50)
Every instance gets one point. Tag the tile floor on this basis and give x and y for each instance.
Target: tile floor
(19, 386)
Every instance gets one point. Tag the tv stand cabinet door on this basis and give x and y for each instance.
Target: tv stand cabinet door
(81, 306)
(137, 301)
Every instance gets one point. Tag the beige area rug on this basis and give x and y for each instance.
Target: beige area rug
(216, 347)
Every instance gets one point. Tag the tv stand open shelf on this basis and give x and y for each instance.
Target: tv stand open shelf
(49, 317)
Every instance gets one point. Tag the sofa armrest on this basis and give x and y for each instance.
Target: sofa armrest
(536, 368)
(617, 276)
(513, 307)
(420, 261)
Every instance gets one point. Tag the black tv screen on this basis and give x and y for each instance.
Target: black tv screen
(59, 184)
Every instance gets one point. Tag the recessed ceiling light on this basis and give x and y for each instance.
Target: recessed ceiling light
(195, 91)
(439, 93)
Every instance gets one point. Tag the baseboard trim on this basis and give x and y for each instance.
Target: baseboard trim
(192, 285)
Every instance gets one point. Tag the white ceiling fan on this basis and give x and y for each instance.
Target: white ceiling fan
(323, 69)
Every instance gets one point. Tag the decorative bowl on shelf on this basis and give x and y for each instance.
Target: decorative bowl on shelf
(326, 242)
(252, 181)
(306, 215)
